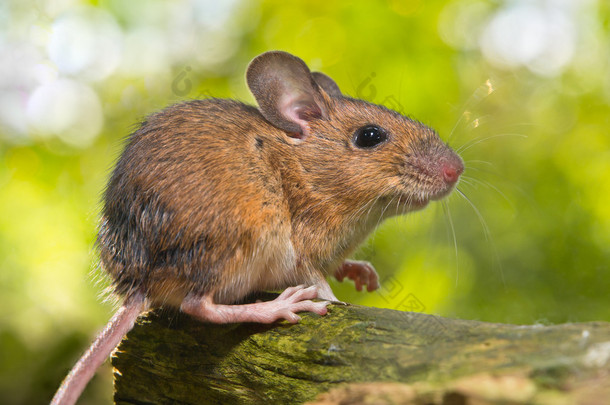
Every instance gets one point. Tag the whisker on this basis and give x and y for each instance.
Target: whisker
(478, 213)
(466, 180)
(475, 98)
(477, 141)
(478, 121)
(384, 210)
(458, 122)
(486, 232)
(480, 170)
(491, 186)
(457, 263)
(470, 162)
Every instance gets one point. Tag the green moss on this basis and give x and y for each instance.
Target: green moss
(169, 356)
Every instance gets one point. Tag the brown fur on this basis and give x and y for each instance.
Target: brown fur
(213, 200)
(210, 198)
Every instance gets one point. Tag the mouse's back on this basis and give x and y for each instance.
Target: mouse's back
(192, 189)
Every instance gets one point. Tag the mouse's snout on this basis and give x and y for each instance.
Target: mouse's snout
(452, 169)
(434, 172)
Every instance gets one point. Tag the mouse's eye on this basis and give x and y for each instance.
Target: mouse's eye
(369, 136)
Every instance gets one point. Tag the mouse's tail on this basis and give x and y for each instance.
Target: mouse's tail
(121, 323)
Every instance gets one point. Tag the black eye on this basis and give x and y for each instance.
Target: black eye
(369, 136)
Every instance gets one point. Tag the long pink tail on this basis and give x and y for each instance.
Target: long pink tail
(121, 323)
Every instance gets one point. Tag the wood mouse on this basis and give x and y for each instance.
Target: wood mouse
(214, 199)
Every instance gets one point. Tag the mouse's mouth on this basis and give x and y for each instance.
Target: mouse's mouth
(418, 203)
(442, 193)
(422, 198)
(409, 202)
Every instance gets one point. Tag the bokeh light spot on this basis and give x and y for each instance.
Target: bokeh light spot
(542, 39)
(67, 109)
(86, 42)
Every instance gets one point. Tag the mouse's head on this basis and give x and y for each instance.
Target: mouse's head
(350, 149)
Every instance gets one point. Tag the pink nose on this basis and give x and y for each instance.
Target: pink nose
(451, 172)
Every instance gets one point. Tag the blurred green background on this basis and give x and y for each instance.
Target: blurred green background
(521, 88)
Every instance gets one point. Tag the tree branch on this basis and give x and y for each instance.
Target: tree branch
(171, 358)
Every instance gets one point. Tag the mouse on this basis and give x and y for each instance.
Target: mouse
(213, 200)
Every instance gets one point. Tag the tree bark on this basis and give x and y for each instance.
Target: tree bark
(362, 354)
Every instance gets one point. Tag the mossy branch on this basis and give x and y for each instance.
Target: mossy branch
(171, 358)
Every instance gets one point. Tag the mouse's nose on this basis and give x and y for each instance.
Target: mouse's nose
(452, 170)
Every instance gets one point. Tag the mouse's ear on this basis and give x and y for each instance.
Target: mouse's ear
(286, 92)
(328, 84)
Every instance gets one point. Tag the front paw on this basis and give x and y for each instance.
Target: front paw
(362, 273)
